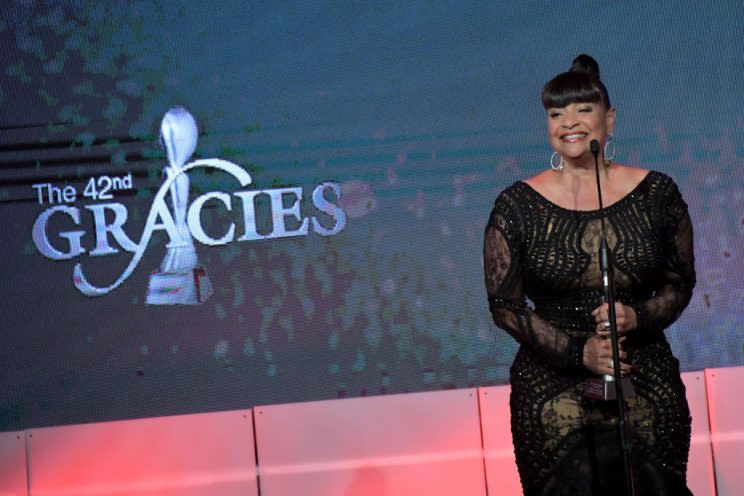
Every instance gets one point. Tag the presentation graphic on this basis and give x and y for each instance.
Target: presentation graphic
(180, 278)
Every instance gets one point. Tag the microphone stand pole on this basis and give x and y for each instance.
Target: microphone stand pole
(609, 298)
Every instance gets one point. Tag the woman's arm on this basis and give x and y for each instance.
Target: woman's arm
(675, 291)
(503, 275)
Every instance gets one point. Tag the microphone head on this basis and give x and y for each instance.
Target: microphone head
(594, 146)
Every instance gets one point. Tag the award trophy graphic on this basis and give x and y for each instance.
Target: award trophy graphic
(180, 279)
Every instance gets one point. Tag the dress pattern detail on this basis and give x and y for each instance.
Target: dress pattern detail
(543, 281)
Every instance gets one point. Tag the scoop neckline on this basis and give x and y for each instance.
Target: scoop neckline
(629, 195)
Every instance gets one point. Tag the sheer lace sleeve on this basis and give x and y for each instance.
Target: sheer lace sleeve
(507, 302)
(675, 288)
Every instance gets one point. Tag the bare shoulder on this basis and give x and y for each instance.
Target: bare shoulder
(628, 175)
(542, 181)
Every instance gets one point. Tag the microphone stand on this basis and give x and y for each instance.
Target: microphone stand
(609, 298)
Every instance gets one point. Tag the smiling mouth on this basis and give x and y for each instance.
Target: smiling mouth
(572, 138)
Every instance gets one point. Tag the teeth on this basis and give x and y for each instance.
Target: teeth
(574, 136)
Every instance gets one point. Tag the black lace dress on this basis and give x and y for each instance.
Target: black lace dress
(536, 250)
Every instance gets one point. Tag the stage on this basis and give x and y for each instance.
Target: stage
(434, 443)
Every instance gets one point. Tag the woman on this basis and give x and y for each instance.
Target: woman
(541, 243)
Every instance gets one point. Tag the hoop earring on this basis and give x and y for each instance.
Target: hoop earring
(556, 167)
(609, 150)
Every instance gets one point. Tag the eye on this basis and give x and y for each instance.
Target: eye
(586, 109)
(555, 114)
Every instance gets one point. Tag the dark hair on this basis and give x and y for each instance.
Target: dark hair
(580, 84)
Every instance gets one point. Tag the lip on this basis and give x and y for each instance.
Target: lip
(574, 137)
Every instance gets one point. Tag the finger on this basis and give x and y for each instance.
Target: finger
(603, 325)
(600, 309)
(625, 368)
(622, 307)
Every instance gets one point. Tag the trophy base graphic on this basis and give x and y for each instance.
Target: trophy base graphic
(190, 287)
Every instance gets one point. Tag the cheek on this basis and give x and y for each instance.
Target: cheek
(604, 121)
(552, 129)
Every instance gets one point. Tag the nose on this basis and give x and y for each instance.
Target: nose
(569, 122)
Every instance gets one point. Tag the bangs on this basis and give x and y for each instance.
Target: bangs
(574, 87)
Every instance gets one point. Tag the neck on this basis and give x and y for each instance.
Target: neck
(584, 163)
(581, 172)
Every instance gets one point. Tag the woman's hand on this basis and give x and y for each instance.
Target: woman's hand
(625, 316)
(598, 356)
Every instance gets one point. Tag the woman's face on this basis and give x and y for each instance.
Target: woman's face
(573, 127)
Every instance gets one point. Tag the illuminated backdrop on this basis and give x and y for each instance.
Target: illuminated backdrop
(418, 113)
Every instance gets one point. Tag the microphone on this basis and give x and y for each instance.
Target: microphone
(602, 388)
(594, 147)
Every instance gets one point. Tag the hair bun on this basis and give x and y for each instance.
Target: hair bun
(586, 64)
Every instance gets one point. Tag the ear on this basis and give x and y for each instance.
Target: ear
(610, 120)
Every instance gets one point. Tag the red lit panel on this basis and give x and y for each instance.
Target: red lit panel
(422, 443)
(501, 469)
(700, 465)
(190, 455)
(13, 464)
(725, 388)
